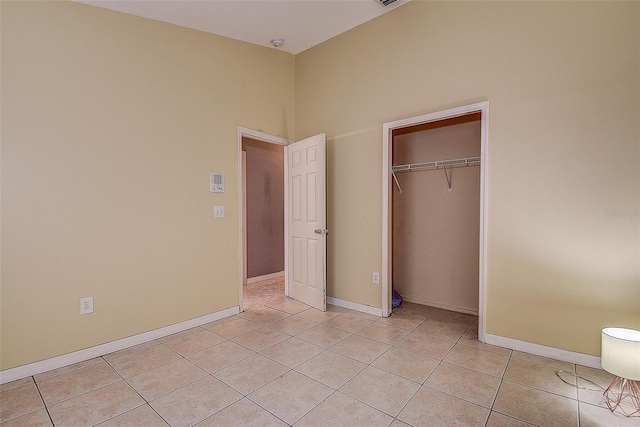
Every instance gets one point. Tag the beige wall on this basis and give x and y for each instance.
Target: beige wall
(110, 126)
(563, 83)
(111, 123)
(264, 207)
(436, 232)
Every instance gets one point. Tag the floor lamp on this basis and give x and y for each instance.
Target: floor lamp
(620, 356)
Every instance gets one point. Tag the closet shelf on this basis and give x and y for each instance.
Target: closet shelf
(439, 164)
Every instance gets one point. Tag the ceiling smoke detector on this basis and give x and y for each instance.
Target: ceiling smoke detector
(384, 2)
(277, 42)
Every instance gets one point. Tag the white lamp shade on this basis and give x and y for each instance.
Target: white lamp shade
(621, 352)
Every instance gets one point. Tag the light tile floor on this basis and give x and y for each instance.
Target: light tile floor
(282, 363)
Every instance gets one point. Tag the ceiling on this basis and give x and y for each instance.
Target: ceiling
(300, 23)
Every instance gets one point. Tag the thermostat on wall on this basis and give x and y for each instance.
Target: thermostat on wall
(216, 182)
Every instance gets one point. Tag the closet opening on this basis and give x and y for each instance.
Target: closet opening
(433, 209)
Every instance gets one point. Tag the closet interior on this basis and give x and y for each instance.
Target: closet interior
(436, 213)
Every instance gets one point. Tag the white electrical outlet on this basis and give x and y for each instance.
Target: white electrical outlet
(86, 305)
(376, 277)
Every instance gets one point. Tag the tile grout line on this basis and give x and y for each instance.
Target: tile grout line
(46, 407)
(146, 402)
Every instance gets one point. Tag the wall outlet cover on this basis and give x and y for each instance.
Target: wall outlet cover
(86, 305)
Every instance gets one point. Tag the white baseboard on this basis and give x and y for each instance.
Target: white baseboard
(442, 305)
(355, 306)
(100, 350)
(543, 350)
(251, 280)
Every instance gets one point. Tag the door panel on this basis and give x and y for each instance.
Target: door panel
(307, 221)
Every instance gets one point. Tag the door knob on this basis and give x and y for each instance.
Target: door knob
(322, 231)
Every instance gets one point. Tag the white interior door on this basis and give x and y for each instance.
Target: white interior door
(307, 216)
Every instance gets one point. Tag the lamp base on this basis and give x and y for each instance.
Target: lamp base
(623, 396)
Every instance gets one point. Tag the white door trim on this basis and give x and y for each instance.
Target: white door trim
(264, 137)
(483, 108)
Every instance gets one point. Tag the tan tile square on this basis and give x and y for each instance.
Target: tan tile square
(291, 396)
(331, 308)
(426, 345)
(143, 360)
(384, 333)
(349, 322)
(96, 406)
(479, 360)
(454, 317)
(331, 368)
(535, 406)
(398, 423)
(355, 313)
(322, 335)
(557, 364)
(142, 416)
(266, 316)
(360, 348)
(442, 329)
(15, 384)
(401, 320)
(380, 389)
(496, 419)
(192, 343)
(77, 382)
(19, 398)
(464, 383)
(67, 369)
(594, 416)
(599, 376)
(293, 325)
(232, 328)
(220, 356)
(165, 379)
(472, 332)
(418, 310)
(251, 373)
(180, 334)
(289, 305)
(592, 387)
(221, 321)
(39, 418)
(406, 364)
(195, 402)
(317, 315)
(260, 338)
(243, 413)
(130, 350)
(292, 352)
(433, 408)
(340, 410)
(542, 377)
(482, 346)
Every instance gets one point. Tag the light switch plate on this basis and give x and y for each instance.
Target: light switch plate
(218, 211)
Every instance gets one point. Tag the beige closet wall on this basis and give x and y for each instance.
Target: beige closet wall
(563, 83)
(110, 126)
(436, 232)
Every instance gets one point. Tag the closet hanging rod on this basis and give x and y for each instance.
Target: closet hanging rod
(452, 163)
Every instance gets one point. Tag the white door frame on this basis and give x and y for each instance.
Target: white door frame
(271, 139)
(387, 140)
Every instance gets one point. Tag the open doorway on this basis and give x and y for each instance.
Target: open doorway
(262, 218)
(423, 144)
(305, 232)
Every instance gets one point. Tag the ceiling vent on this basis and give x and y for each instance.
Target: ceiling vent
(384, 2)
